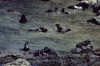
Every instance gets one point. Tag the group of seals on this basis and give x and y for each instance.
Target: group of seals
(23, 20)
(43, 52)
(55, 9)
(43, 29)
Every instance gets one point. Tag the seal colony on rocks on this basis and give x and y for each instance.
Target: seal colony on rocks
(45, 52)
(82, 55)
(48, 56)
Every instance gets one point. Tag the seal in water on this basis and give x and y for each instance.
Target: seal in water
(26, 47)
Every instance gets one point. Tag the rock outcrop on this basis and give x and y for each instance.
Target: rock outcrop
(95, 20)
(45, 52)
(92, 2)
(97, 52)
(96, 7)
(8, 58)
(83, 47)
(18, 62)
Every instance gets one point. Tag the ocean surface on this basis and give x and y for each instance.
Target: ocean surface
(13, 35)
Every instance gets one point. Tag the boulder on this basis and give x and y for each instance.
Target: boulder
(84, 47)
(45, 52)
(9, 58)
(97, 52)
(95, 20)
(37, 53)
(92, 2)
(96, 7)
(84, 5)
(18, 62)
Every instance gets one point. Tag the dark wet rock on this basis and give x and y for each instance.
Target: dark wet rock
(48, 51)
(87, 58)
(74, 51)
(45, 52)
(83, 5)
(98, 13)
(84, 47)
(97, 52)
(80, 6)
(43, 29)
(96, 7)
(23, 19)
(37, 53)
(60, 29)
(8, 58)
(91, 2)
(95, 20)
(71, 7)
(50, 63)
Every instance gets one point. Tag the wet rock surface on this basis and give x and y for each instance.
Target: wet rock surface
(63, 58)
(18, 62)
(95, 20)
(9, 58)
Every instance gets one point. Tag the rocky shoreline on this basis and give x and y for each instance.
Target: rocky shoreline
(50, 57)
